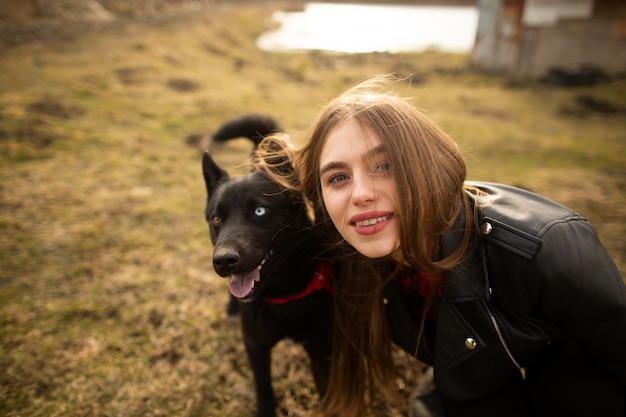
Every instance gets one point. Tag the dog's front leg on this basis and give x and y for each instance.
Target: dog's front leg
(321, 371)
(233, 306)
(260, 362)
(320, 367)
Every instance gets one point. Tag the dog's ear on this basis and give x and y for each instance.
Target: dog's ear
(213, 174)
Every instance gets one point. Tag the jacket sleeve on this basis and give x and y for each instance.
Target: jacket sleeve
(579, 288)
(403, 315)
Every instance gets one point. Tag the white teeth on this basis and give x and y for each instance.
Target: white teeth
(370, 222)
(262, 263)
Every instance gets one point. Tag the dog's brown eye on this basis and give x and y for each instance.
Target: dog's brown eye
(216, 220)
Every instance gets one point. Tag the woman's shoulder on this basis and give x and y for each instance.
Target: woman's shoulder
(518, 219)
(562, 259)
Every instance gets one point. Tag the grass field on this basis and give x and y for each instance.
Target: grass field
(108, 302)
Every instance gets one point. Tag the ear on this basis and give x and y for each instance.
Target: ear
(213, 174)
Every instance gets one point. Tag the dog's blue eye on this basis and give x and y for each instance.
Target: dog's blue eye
(260, 211)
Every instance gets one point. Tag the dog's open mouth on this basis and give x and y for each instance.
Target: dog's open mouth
(242, 285)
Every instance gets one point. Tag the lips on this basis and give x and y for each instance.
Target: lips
(370, 223)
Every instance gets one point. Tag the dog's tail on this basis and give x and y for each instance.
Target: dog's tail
(252, 126)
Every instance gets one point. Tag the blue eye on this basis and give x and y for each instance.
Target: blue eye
(260, 211)
(335, 179)
(383, 167)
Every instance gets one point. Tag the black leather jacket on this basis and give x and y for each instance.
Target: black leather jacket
(537, 274)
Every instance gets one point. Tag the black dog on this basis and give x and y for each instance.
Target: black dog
(264, 241)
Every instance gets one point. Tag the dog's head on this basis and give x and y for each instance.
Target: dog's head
(250, 219)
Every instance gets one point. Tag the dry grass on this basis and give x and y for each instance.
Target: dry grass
(108, 303)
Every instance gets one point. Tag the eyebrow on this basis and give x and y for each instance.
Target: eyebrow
(330, 166)
(380, 149)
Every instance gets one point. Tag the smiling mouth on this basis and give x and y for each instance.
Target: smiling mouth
(372, 222)
(242, 285)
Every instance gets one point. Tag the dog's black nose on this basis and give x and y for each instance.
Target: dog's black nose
(225, 263)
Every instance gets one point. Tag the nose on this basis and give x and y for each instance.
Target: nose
(363, 191)
(225, 261)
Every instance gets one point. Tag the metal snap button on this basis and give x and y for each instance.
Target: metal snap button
(470, 343)
(486, 228)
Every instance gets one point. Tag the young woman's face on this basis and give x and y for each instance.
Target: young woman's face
(358, 190)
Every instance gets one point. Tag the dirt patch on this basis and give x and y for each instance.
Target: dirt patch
(50, 106)
(182, 85)
(584, 105)
(36, 132)
(132, 75)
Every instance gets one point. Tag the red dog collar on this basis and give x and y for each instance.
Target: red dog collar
(320, 281)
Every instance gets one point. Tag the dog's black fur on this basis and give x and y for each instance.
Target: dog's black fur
(254, 222)
(251, 125)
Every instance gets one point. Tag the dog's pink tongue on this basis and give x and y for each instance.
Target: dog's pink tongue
(241, 285)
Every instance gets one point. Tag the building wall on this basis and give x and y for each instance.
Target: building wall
(593, 41)
(528, 37)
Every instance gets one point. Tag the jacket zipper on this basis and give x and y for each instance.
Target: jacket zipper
(522, 370)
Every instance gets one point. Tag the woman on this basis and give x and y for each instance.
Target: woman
(510, 297)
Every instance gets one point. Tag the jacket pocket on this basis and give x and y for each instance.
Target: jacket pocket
(470, 360)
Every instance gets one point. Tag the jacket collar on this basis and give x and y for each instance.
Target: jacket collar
(466, 280)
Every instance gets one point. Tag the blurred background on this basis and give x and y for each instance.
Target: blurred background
(108, 302)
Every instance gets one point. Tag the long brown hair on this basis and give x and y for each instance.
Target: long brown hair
(429, 171)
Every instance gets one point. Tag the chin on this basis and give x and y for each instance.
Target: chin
(375, 246)
(376, 251)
